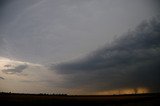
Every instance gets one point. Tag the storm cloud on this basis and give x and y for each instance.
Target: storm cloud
(14, 70)
(55, 29)
(130, 61)
(37, 33)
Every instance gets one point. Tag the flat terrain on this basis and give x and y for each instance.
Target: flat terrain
(68, 100)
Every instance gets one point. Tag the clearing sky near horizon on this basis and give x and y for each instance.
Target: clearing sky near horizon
(79, 46)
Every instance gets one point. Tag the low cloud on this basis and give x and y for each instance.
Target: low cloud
(131, 61)
(14, 70)
(1, 78)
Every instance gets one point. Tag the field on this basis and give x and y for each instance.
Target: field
(68, 100)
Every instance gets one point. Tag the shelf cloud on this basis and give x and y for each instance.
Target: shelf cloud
(79, 46)
(130, 61)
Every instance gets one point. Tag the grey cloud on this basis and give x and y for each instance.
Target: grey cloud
(7, 65)
(1, 45)
(55, 29)
(1, 41)
(1, 78)
(131, 61)
(15, 70)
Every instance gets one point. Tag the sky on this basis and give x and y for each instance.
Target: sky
(79, 46)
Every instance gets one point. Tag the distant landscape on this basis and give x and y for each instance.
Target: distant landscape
(149, 99)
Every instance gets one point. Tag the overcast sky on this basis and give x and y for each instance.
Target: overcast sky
(49, 45)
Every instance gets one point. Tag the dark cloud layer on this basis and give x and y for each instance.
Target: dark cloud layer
(15, 70)
(55, 29)
(131, 61)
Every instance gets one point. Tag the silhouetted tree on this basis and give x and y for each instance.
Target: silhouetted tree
(135, 90)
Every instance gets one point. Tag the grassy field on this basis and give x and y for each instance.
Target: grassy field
(68, 100)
